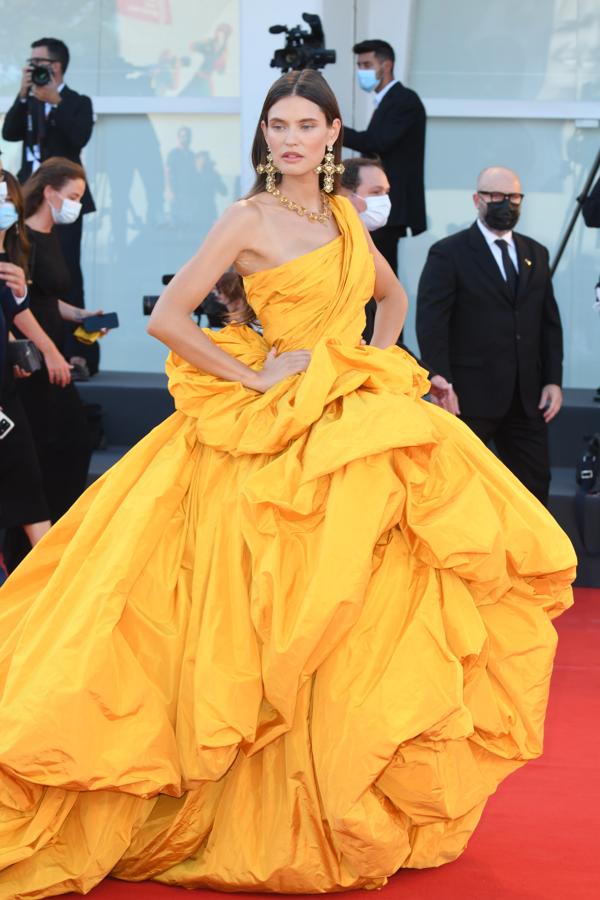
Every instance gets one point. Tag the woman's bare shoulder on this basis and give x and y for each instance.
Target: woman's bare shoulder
(245, 213)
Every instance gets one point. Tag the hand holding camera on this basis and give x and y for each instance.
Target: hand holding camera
(38, 81)
(25, 82)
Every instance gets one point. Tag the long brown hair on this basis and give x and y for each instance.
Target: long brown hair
(16, 243)
(53, 172)
(232, 287)
(312, 86)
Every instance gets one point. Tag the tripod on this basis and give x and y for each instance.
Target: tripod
(579, 203)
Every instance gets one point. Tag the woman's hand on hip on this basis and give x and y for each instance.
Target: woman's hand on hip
(276, 368)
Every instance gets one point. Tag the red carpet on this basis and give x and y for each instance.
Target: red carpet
(539, 836)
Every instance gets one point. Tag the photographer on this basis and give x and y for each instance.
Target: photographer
(53, 120)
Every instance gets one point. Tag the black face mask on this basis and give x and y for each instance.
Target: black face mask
(501, 215)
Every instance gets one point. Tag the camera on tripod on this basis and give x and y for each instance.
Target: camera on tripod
(303, 49)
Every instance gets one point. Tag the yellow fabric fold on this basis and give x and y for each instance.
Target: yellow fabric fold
(292, 641)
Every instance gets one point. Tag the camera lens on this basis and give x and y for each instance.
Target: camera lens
(40, 75)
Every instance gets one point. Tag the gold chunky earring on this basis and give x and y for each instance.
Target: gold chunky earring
(270, 170)
(329, 169)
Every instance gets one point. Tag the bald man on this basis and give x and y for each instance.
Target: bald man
(487, 320)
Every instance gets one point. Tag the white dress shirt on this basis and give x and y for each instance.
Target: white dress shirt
(378, 97)
(491, 237)
(34, 155)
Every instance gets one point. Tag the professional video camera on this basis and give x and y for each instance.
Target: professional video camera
(210, 313)
(303, 49)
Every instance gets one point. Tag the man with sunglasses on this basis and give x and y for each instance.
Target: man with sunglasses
(53, 120)
(487, 320)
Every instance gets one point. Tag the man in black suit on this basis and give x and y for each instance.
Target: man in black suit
(53, 120)
(396, 134)
(487, 320)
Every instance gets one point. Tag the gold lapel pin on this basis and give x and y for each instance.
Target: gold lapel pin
(527, 261)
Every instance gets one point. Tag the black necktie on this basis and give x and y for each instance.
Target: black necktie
(512, 278)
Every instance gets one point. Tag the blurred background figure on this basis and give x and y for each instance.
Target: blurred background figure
(214, 60)
(182, 174)
(207, 187)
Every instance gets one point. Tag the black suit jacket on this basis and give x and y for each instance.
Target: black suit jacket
(67, 129)
(474, 334)
(396, 133)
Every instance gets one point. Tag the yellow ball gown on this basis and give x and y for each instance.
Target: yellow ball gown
(291, 641)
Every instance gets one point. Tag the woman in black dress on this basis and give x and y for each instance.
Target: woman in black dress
(22, 499)
(51, 401)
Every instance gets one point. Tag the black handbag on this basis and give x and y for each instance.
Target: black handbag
(25, 355)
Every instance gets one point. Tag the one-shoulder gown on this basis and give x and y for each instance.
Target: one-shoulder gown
(292, 641)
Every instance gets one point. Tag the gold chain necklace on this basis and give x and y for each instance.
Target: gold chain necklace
(321, 217)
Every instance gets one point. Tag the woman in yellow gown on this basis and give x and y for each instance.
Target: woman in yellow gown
(296, 637)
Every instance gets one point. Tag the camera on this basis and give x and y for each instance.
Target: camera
(149, 301)
(41, 75)
(210, 312)
(303, 49)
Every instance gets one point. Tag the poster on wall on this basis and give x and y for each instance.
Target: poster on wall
(131, 48)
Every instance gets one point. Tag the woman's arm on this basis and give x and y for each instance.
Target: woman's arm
(392, 302)
(71, 313)
(170, 321)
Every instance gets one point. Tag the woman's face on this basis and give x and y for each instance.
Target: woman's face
(73, 189)
(297, 134)
(9, 213)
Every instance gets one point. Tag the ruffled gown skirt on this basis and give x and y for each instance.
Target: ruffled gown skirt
(288, 643)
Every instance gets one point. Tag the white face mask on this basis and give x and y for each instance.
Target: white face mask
(68, 213)
(377, 212)
(8, 215)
